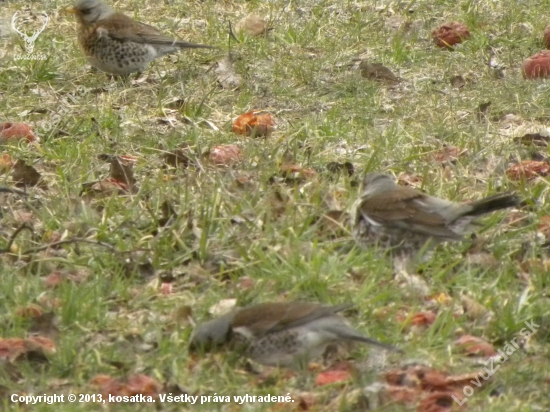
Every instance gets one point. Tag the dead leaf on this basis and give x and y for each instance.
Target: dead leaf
(448, 154)
(178, 158)
(544, 226)
(24, 175)
(438, 402)
(458, 81)
(254, 124)
(121, 170)
(225, 155)
(473, 309)
(14, 132)
(537, 66)
(423, 319)
(333, 376)
(482, 110)
(105, 187)
(528, 169)
(29, 311)
(134, 385)
(33, 348)
(58, 276)
(447, 35)
(227, 77)
(45, 325)
(252, 24)
(533, 139)
(474, 346)
(405, 179)
(336, 167)
(6, 163)
(295, 171)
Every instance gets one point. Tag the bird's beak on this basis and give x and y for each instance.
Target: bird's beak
(71, 10)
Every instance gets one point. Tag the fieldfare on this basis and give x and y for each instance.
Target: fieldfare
(407, 221)
(280, 334)
(117, 44)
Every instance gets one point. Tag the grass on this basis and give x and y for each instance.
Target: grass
(116, 322)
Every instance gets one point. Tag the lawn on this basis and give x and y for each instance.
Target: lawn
(116, 275)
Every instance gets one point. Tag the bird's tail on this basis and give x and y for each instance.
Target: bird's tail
(187, 45)
(492, 203)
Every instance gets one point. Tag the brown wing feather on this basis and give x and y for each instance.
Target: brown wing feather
(273, 317)
(128, 29)
(403, 209)
(124, 28)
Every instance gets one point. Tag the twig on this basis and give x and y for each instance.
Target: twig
(24, 226)
(10, 190)
(68, 241)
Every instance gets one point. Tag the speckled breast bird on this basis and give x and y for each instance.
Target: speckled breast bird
(405, 220)
(280, 334)
(117, 44)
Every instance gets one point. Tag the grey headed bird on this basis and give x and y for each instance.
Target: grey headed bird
(280, 334)
(407, 221)
(117, 44)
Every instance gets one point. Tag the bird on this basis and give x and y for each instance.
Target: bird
(377, 71)
(286, 334)
(407, 221)
(117, 44)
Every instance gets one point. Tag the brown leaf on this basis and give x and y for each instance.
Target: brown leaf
(336, 167)
(405, 179)
(447, 35)
(544, 226)
(134, 385)
(254, 124)
(437, 402)
(29, 311)
(482, 109)
(45, 325)
(546, 37)
(458, 81)
(36, 347)
(448, 154)
(297, 171)
(333, 376)
(533, 139)
(6, 163)
(423, 318)
(528, 169)
(121, 171)
(58, 276)
(24, 175)
(105, 187)
(474, 346)
(225, 155)
(178, 158)
(15, 131)
(252, 24)
(537, 66)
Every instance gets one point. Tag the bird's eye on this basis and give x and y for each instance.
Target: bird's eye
(85, 11)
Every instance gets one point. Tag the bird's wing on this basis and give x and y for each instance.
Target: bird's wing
(407, 209)
(275, 317)
(124, 28)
